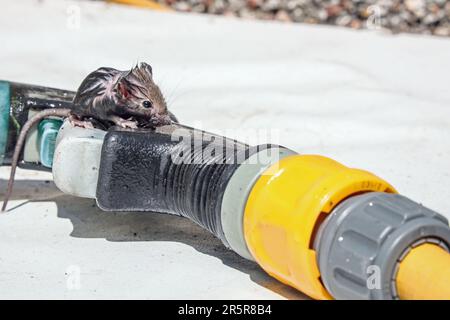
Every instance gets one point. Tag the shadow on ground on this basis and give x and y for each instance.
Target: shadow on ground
(90, 222)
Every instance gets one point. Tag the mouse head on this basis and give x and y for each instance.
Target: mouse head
(140, 97)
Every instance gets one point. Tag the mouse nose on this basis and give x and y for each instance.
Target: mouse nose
(163, 119)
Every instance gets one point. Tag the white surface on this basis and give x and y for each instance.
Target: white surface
(372, 101)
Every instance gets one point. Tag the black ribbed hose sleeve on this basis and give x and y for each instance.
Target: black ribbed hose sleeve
(175, 170)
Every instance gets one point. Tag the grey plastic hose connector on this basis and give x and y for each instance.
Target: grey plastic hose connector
(360, 244)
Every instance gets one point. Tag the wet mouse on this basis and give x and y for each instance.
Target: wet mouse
(125, 98)
(128, 99)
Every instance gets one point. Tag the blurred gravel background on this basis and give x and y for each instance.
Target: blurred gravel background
(416, 16)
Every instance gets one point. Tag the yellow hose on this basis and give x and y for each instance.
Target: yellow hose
(424, 274)
(150, 4)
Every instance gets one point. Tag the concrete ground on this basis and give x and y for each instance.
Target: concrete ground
(370, 100)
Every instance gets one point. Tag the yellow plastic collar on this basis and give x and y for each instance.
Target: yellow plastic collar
(285, 208)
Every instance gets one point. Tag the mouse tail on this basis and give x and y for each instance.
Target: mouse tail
(57, 112)
(10, 187)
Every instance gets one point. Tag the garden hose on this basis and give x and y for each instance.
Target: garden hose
(330, 231)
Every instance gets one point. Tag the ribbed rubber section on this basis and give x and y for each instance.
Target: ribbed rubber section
(164, 172)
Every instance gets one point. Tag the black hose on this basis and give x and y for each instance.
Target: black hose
(176, 170)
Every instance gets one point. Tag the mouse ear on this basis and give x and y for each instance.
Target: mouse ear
(146, 67)
(123, 88)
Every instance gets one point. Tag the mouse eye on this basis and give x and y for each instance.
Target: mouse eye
(147, 104)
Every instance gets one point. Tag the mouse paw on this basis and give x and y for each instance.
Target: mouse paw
(123, 123)
(127, 124)
(80, 123)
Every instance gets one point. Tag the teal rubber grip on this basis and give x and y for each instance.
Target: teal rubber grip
(5, 95)
(47, 133)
